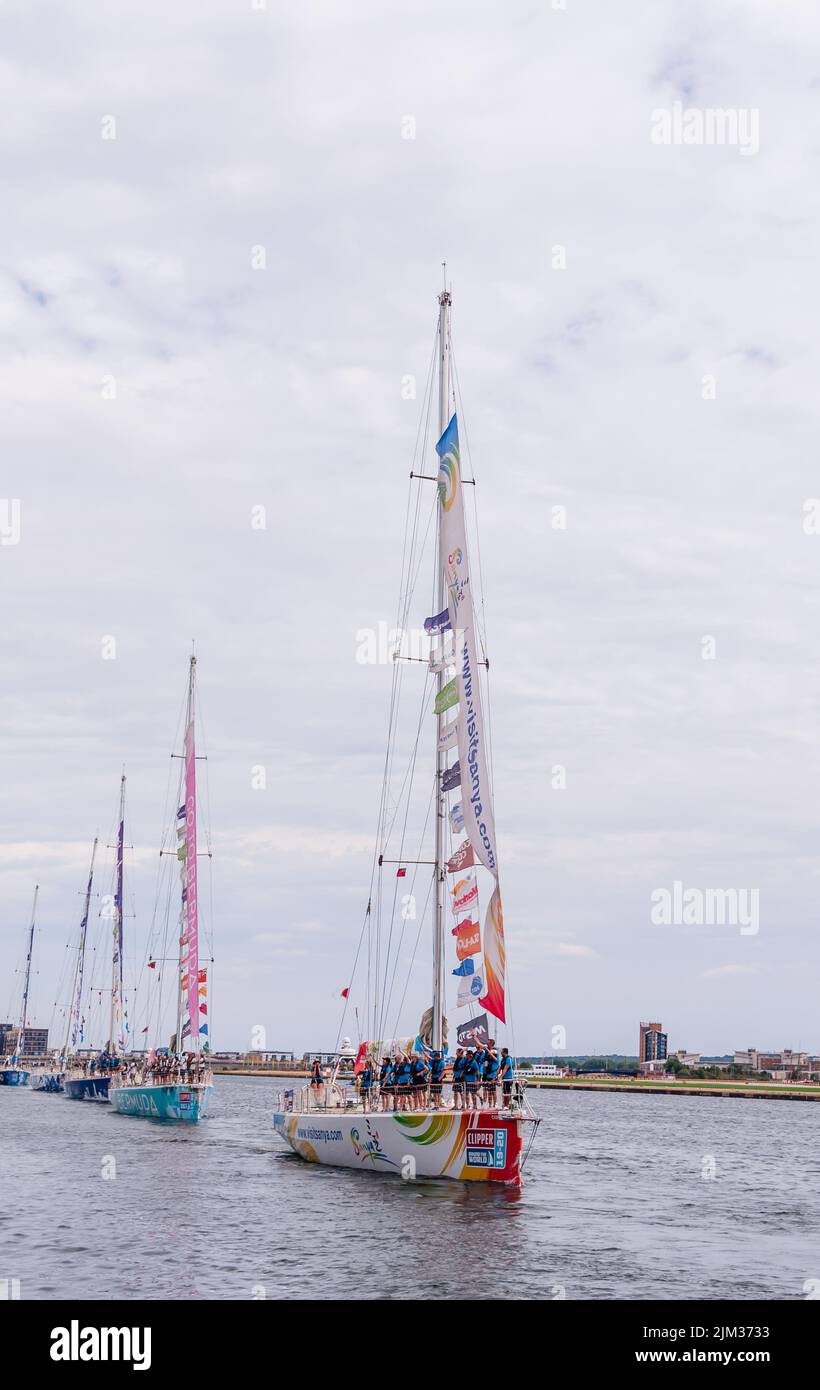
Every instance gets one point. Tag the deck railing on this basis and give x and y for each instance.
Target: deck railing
(336, 1096)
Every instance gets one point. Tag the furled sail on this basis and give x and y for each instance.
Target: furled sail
(426, 1029)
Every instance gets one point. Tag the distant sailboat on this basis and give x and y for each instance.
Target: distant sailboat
(51, 1080)
(175, 1083)
(410, 1130)
(87, 1080)
(11, 1072)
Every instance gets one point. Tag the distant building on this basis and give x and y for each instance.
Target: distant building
(780, 1066)
(540, 1069)
(688, 1059)
(652, 1048)
(35, 1040)
(258, 1054)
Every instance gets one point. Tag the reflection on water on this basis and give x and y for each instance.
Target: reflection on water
(614, 1205)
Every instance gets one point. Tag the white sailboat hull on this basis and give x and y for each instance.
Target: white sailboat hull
(470, 1146)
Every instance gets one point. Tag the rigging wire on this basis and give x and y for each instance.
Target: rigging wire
(371, 923)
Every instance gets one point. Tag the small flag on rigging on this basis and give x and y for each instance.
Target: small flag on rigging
(465, 893)
(448, 736)
(439, 623)
(401, 873)
(468, 990)
(462, 859)
(447, 697)
(468, 939)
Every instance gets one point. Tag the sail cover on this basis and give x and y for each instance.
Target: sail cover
(476, 799)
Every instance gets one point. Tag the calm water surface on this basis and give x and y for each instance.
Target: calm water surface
(614, 1206)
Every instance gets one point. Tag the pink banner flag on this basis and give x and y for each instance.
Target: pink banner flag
(192, 919)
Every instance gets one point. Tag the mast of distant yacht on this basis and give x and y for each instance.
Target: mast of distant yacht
(73, 1025)
(24, 1017)
(115, 1030)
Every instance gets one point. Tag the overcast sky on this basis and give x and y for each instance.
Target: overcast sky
(131, 259)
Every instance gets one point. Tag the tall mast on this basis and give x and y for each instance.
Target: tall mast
(188, 996)
(73, 1025)
(115, 1039)
(441, 756)
(24, 1018)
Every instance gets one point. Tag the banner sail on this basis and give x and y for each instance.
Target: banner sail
(476, 799)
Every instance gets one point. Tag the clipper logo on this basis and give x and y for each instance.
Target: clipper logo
(74, 1343)
(486, 1148)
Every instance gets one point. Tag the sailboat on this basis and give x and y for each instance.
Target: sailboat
(50, 1080)
(90, 1078)
(11, 1073)
(421, 1137)
(175, 1083)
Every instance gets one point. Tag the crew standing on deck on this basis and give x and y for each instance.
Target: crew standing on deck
(472, 1080)
(436, 1079)
(492, 1065)
(366, 1079)
(480, 1057)
(402, 1083)
(385, 1077)
(419, 1072)
(507, 1070)
(317, 1081)
(458, 1080)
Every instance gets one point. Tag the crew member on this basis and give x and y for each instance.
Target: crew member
(384, 1082)
(420, 1072)
(507, 1069)
(366, 1080)
(492, 1064)
(472, 1080)
(436, 1078)
(458, 1079)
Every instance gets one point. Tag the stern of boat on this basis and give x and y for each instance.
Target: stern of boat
(48, 1083)
(13, 1076)
(177, 1103)
(93, 1088)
